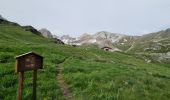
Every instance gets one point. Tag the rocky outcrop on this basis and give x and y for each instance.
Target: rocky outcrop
(158, 57)
(46, 33)
(164, 57)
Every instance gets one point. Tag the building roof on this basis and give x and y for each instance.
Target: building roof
(106, 47)
(27, 54)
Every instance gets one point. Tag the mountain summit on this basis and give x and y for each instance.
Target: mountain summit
(104, 35)
(46, 33)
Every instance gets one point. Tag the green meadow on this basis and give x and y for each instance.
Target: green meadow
(89, 73)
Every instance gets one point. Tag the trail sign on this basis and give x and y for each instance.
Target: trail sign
(27, 62)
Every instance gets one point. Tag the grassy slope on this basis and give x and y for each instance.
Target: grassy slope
(91, 74)
(116, 76)
(14, 41)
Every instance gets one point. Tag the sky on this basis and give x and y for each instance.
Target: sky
(75, 17)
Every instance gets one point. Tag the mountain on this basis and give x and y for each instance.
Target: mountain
(46, 33)
(85, 39)
(158, 42)
(153, 46)
(86, 72)
(100, 39)
(103, 35)
(107, 39)
(67, 39)
(126, 43)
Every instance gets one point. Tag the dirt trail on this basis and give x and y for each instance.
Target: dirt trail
(62, 84)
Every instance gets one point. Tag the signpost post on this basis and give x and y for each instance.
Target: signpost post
(20, 85)
(34, 84)
(27, 62)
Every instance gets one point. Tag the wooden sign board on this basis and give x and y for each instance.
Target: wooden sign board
(29, 61)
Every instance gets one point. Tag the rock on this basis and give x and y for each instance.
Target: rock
(147, 60)
(164, 57)
(46, 33)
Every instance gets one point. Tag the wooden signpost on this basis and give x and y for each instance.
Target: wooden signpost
(27, 62)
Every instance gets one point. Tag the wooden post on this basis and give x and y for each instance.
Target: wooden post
(34, 84)
(28, 62)
(20, 85)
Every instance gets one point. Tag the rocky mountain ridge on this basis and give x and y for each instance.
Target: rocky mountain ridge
(156, 42)
(100, 39)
